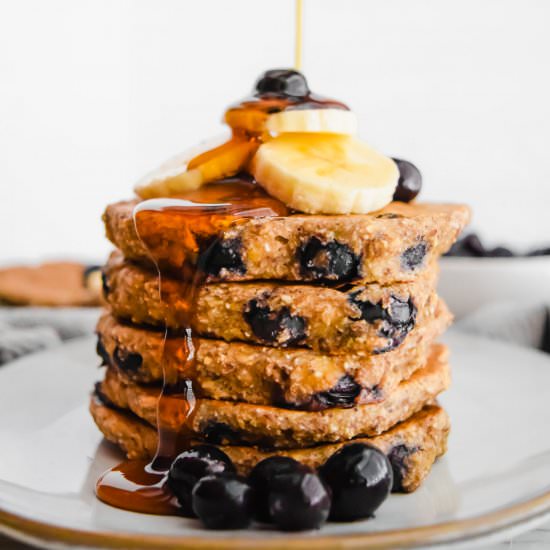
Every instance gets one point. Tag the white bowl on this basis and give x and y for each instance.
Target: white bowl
(466, 284)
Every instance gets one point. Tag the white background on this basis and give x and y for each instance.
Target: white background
(94, 93)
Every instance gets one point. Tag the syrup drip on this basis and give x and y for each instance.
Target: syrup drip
(201, 215)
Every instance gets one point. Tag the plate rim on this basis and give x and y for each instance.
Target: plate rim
(527, 512)
(443, 533)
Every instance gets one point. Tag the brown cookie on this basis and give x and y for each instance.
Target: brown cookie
(54, 284)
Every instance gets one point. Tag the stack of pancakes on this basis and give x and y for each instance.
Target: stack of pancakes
(311, 331)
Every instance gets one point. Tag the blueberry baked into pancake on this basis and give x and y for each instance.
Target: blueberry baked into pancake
(270, 336)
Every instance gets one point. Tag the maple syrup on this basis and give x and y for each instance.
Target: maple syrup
(192, 219)
(200, 215)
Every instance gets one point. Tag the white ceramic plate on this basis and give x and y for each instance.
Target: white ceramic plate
(493, 483)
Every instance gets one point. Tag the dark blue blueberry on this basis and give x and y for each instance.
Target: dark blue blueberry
(191, 466)
(102, 352)
(105, 283)
(410, 181)
(343, 394)
(223, 501)
(261, 478)
(224, 254)
(282, 83)
(279, 326)
(327, 261)
(469, 246)
(413, 256)
(127, 361)
(398, 459)
(500, 252)
(298, 500)
(360, 478)
(219, 433)
(540, 252)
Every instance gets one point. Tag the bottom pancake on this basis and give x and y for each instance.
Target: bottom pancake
(411, 446)
(235, 423)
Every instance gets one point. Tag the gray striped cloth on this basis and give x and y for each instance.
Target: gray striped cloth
(26, 330)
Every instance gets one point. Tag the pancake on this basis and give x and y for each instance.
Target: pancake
(227, 422)
(292, 378)
(366, 318)
(397, 243)
(411, 446)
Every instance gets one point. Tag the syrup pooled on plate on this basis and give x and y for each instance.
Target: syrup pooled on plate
(198, 217)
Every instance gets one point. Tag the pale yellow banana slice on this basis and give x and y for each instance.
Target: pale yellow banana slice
(327, 121)
(325, 173)
(210, 161)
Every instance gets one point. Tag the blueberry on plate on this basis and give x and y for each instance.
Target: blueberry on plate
(192, 465)
(298, 500)
(223, 501)
(410, 181)
(282, 82)
(261, 478)
(360, 478)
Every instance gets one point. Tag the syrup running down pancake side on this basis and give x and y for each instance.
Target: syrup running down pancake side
(196, 221)
(199, 218)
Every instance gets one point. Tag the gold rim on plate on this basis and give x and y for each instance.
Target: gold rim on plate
(452, 531)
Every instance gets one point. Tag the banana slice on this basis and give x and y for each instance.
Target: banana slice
(325, 121)
(208, 162)
(325, 173)
(329, 121)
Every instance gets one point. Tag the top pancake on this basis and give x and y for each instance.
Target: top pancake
(394, 244)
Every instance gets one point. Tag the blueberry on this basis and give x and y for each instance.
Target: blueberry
(298, 500)
(469, 246)
(331, 261)
(261, 477)
(343, 394)
(223, 501)
(224, 254)
(192, 465)
(370, 312)
(409, 183)
(105, 283)
(500, 252)
(219, 433)
(398, 459)
(389, 216)
(360, 477)
(282, 83)
(274, 326)
(540, 252)
(402, 312)
(127, 361)
(102, 351)
(414, 256)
